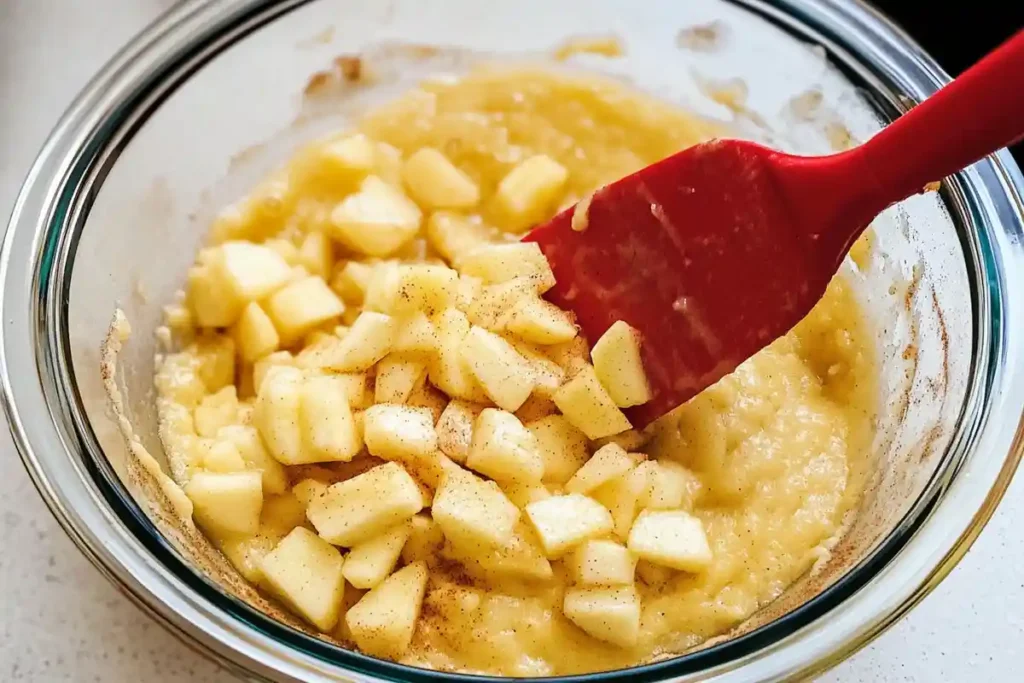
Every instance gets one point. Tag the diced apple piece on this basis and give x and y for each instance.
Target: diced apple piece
(301, 306)
(490, 308)
(329, 431)
(566, 521)
(265, 210)
(216, 355)
(307, 490)
(415, 335)
(454, 235)
(220, 456)
(496, 263)
(529, 191)
(215, 411)
(369, 340)
(396, 377)
(469, 289)
(548, 375)
(388, 165)
(474, 513)
(226, 502)
(305, 572)
(377, 220)
(521, 558)
(424, 287)
(540, 322)
(455, 429)
(619, 367)
(251, 271)
(603, 563)
(607, 463)
(586, 404)
(250, 447)
(261, 367)
(366, 505)
(561, 445)
(246, 553)
(670, 486)
(382, 288)
(383, 621)
(211, 301)
(348, 156)
(505, 376)
(403, 290)
(447, 371)
(622, 497)
(671, 538)
(425, 540)
(317, 254)
(436, 183)
(504, 450)
(608, 614)
(276, 414)
(396, 432)
(352, 281)
(370, 562)
(229, 224)
(255, 334)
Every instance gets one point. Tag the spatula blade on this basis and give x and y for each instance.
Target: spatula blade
(698, 252)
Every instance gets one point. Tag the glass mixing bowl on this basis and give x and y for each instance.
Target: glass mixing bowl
(214, 94)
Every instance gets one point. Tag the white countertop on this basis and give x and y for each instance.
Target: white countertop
(62, 621)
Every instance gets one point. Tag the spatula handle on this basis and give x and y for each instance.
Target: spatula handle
(977, 114)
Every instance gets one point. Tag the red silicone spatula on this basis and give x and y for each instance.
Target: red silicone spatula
(716, 251)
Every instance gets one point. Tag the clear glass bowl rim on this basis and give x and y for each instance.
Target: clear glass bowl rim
(118, 538)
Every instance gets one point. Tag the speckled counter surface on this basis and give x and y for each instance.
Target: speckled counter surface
(60, 620)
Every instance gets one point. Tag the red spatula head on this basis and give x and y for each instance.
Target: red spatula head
(718, 250)
(700, 253)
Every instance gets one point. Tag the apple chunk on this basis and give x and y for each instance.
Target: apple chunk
(474, 513)
(503, 449)
(586, 404)
(227, 502)
(619, 367)
(396, 432)
(383, 621)
(505, 375)
(305, 572)
(671, 538)
(359, 508)
(562, 522)
(608, 614)
(370, 562)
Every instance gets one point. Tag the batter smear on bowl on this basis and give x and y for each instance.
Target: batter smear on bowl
(384, 425)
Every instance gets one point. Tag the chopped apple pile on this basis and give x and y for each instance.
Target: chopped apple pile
(374, 388)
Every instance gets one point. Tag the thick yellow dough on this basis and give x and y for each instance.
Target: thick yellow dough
(767, 463)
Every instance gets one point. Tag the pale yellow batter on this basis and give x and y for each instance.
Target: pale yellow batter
(773, 457)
